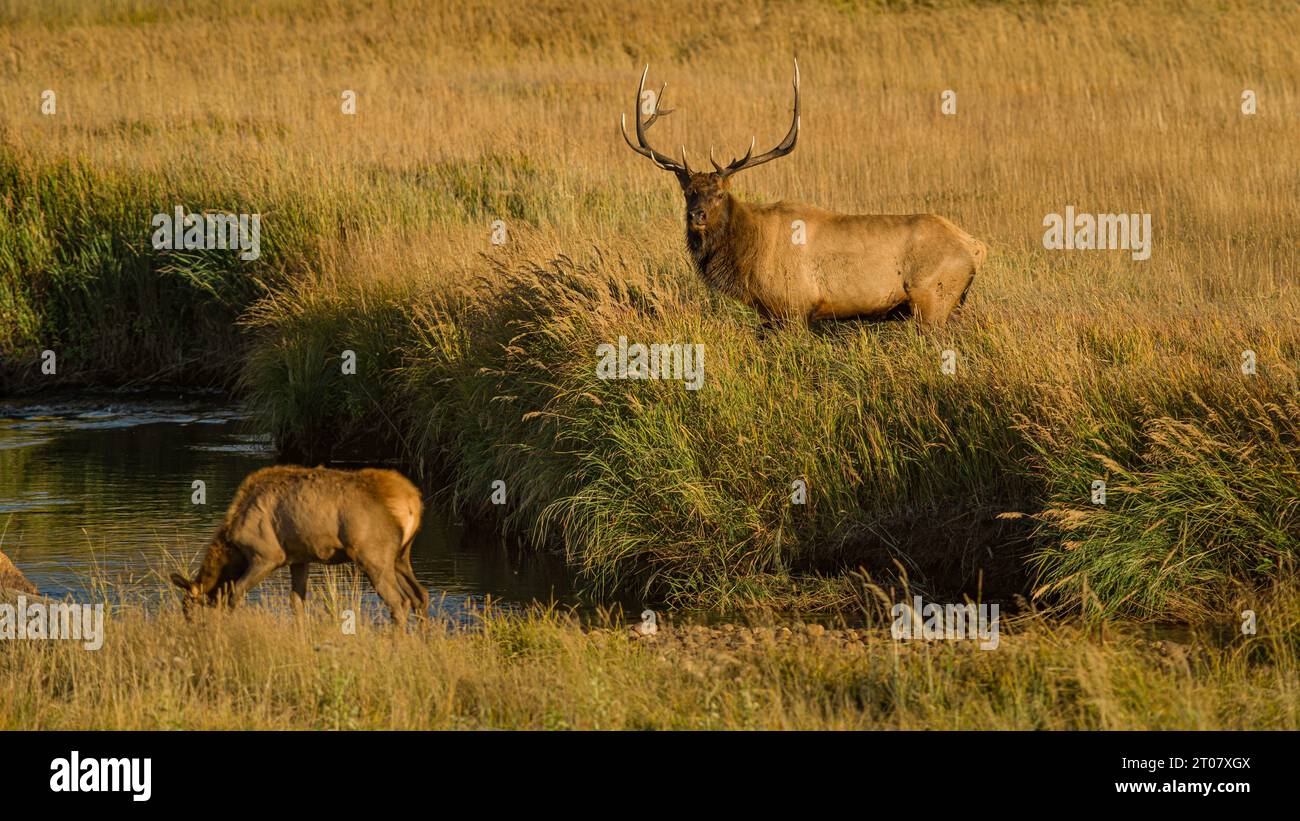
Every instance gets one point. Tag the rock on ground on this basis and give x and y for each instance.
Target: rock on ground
(11, 578)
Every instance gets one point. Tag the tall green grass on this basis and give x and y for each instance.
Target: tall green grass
(686, 495)
(78, 274)
(1197, 509)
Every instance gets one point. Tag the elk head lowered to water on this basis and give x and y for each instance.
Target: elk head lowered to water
(795, 262)
(293, 516)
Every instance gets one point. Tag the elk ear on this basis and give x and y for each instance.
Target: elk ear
(182, 582)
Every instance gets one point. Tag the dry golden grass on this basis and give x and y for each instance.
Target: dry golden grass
(1099, 105)
(468, 111)
(260, 668)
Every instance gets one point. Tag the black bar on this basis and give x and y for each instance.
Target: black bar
(299, 770)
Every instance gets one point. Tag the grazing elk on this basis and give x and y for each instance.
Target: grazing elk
(796, 262)
(293, 516)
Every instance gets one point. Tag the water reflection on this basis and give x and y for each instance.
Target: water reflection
(105, 489)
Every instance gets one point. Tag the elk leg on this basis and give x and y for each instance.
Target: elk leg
(299, 573)
(932, 311)
(417, 595)
(259, 567)
(384, 580)
(933, 301)
(406, 574)
(391, 592)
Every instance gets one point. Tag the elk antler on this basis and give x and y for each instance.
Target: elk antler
(662, 160)
(783, 148)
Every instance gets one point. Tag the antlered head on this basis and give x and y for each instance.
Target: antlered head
(706, 194)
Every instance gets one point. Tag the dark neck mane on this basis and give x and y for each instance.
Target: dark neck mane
(222, 564)
(725, 254)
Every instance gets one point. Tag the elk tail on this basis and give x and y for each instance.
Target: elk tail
(406, 509)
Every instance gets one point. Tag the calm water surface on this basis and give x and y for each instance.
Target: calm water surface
(103, 489)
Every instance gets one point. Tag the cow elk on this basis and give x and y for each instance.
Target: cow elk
(796, 262)
(294, 516)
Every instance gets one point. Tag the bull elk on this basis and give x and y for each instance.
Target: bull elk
(294, 516)
(795, 262)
